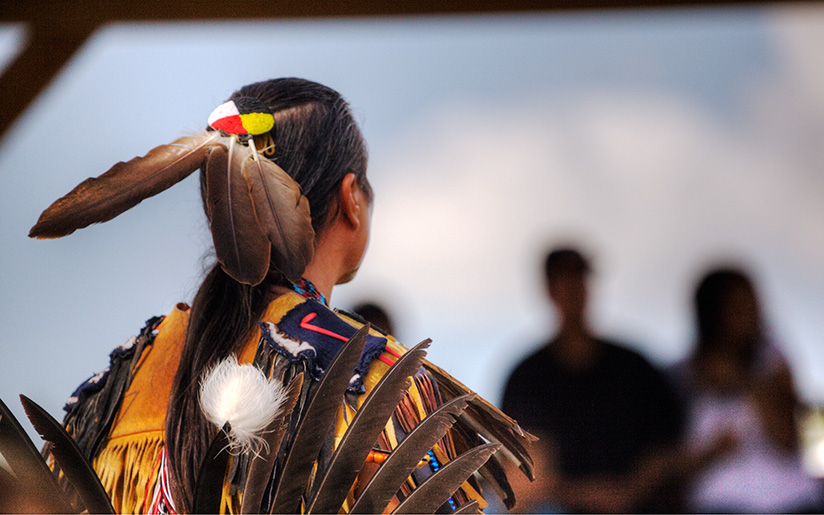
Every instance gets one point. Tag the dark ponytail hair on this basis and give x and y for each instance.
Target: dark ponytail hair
(317, 142)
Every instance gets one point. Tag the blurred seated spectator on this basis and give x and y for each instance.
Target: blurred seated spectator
(740, 396)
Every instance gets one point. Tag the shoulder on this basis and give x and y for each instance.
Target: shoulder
(93, 412)
(769, 359)
(623, 356)
(536, 366)
(681, 375)
(619, 360)
(305, 329)
(132, 348)
(537, 360)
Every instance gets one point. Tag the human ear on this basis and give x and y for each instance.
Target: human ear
(351, 200)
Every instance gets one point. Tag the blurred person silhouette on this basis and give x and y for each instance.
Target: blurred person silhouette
(375, 314)
(604, 414)
(739, 394)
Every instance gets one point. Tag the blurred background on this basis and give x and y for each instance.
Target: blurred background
(662, 141)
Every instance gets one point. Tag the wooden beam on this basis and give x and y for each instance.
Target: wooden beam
(46, 51)
(102, 11)
(57, 28)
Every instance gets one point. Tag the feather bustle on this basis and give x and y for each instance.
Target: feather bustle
(485, 419)
(28, 479)
(316, 421)
(433, 492)
(332, 484)
(211, 474)
(492, 471)
(377, 494)
(124, 185)
(470, 507)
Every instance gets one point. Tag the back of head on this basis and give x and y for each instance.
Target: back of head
(376, 315)
(724, 300)
(566, 272)
(315, 137)
(565, 261)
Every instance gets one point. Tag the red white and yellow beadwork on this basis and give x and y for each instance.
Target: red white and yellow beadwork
(244, 115)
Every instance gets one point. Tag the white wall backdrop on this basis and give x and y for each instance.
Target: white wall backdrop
(663, 141)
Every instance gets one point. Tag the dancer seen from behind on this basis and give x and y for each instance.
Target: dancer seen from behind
(605, 417)
(283, 178)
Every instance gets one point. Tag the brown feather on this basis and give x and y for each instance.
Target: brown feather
(29, 480)
(70, 458)
(402, 461)
(316, 421)
(261, 468)
(436, 489)
(283, 213)
(240, 245)
(488, 421)
(492, 471)
(210, 477)
(99, 199)
(333, 483)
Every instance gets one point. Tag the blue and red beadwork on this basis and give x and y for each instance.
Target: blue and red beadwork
(308, 291)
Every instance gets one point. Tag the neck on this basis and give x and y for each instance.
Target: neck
(573, 328)
(574, 345)
(327, 267)
(338, 251)
(323, 280)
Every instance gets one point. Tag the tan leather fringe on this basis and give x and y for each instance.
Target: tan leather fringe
(126, 485)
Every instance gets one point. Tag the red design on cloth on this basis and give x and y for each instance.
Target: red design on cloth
(304, 323)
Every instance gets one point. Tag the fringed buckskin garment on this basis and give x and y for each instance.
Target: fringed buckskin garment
(118, 416)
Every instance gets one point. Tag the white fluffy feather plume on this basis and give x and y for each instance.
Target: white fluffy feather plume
(245, 398)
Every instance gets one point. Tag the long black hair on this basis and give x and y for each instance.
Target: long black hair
(317, 142)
